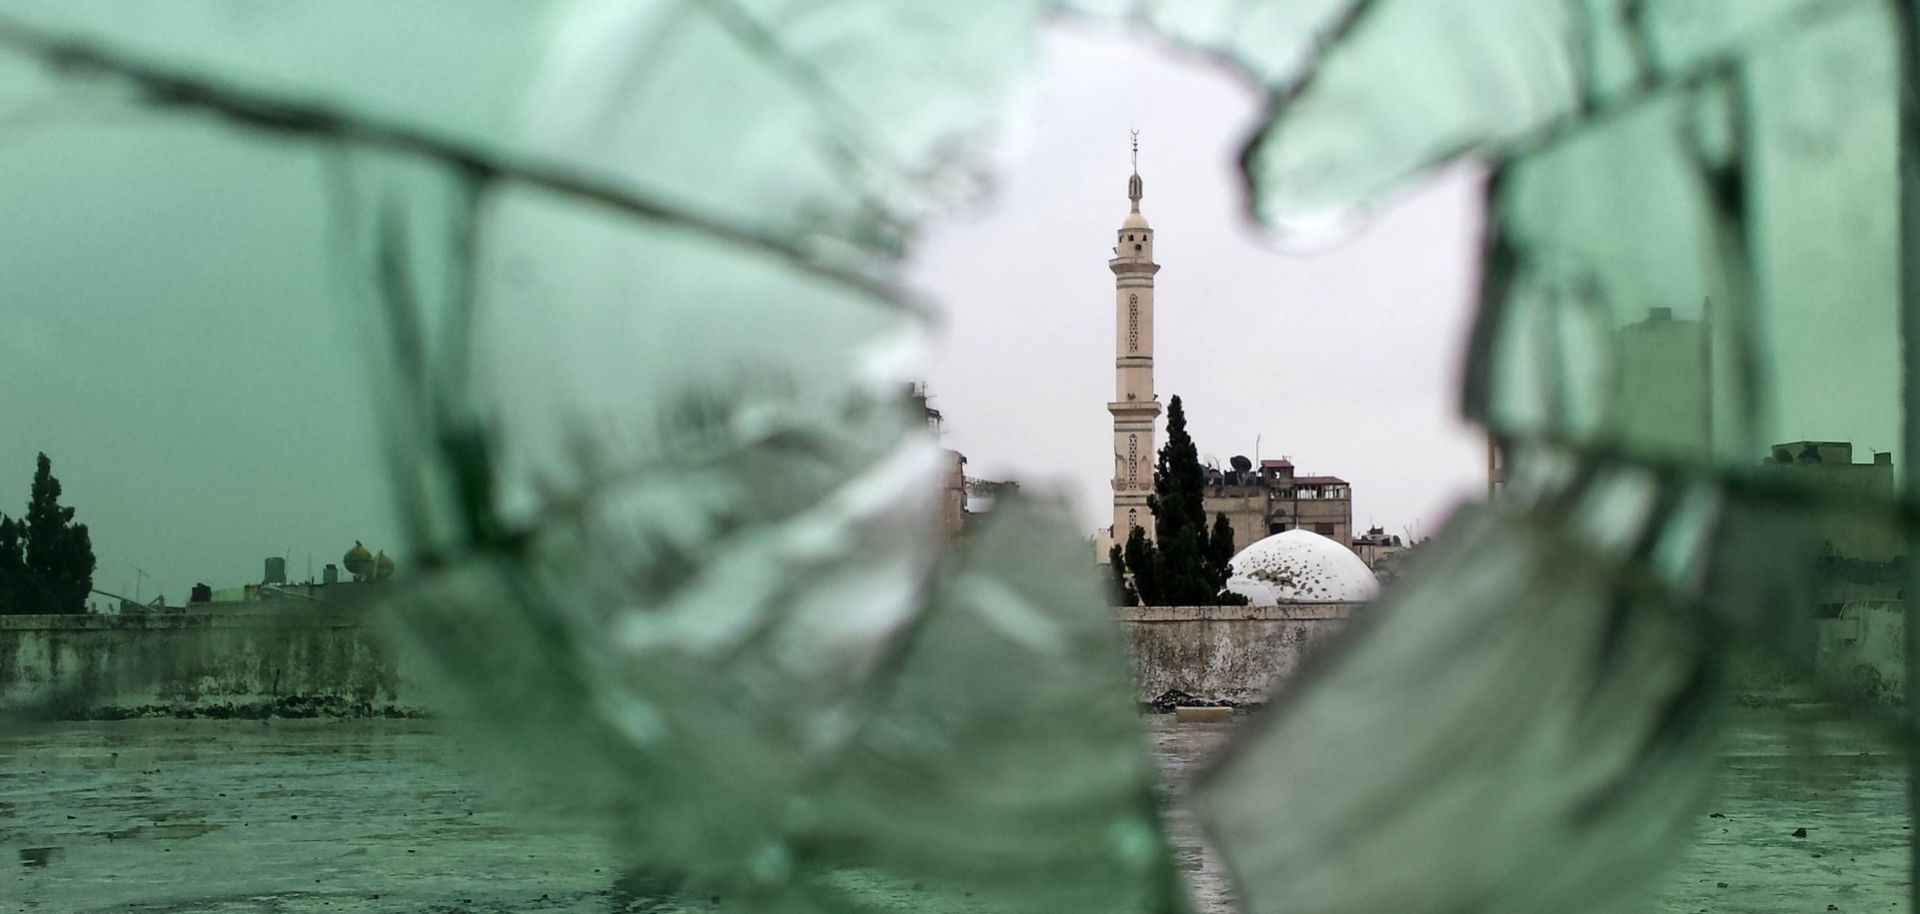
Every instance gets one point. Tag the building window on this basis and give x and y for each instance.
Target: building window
(1133, 520)
(1133, 459)
(1133, 322)
(1136, 247)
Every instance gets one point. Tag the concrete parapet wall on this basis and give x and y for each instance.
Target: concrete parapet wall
(1236, 654)
(290, 663)
(303, 663)
(286, 663)
(1227, 654)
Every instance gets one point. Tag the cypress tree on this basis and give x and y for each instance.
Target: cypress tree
(46, 560)
(1186, 564)
(1122, 590)
(1143, 563)
(18, 593)
(1220, 560)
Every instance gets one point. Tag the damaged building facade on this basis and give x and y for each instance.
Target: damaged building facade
(1272, 498)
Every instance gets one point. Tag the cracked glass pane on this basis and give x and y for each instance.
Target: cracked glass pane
(1531, 757)
(610, 297)
(1692, 218)
(1689, 305)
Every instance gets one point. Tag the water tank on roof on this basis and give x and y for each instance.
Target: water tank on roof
(359, 562)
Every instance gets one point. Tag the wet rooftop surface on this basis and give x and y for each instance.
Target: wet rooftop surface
(383, 816)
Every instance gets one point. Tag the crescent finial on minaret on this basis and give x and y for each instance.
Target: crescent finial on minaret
(1135, 188)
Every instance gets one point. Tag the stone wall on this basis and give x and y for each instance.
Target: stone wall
(294, 664)
(1235, 654)
(290, 663)
(287, 663)
(1223, 654)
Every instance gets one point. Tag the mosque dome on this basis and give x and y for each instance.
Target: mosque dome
(1299, 566)
(1134, 221)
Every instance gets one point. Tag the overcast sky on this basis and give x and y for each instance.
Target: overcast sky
(1345, 359)
(206, 401)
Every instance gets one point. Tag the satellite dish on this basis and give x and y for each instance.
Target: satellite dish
(1210, 461)
(1241, 463)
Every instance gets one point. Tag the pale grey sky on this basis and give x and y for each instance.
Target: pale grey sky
(1345, 358)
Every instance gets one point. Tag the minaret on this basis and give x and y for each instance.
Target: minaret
(1135, 408)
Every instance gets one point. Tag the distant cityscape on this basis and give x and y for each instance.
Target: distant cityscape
(364, 569)
(1275, 514)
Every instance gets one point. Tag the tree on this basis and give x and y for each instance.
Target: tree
(1185, 564)
(19, 592)
(1123, 594)
(1143, 565)
(1220, 552)
(46, 560)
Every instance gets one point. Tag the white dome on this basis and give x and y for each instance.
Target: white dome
(1301, 567)
(1134, 221)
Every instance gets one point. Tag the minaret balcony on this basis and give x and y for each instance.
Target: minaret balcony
(1128, 417)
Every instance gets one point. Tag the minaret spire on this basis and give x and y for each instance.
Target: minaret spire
(1135, 188)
